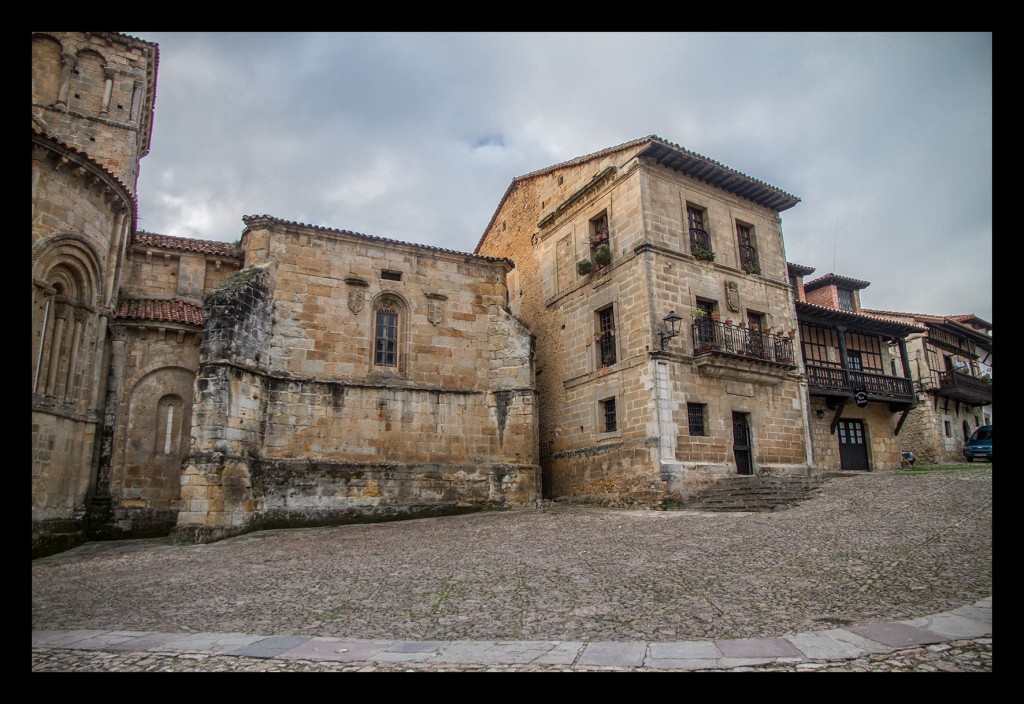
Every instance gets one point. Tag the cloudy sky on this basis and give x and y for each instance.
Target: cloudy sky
(885, 137)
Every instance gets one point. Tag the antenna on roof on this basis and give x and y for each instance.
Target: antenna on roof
(835, 244)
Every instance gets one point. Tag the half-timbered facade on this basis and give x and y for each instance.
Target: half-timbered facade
(858, 375)
(951, 361)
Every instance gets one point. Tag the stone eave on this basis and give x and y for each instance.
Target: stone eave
(291, 227)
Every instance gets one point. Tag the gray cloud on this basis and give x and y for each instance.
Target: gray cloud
(886, 138)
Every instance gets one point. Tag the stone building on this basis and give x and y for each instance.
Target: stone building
(340, 376)
(154, 339)
(858, 374)
(92, 113)
(344, 377)
(951, 362)
(654, 280)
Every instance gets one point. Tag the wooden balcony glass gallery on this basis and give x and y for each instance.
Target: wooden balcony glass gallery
(713, 336)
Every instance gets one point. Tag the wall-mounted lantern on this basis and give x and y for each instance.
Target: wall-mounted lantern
(671, 328)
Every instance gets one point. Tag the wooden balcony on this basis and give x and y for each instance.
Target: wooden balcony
(965, 388)
(716, 337)
(832, 381)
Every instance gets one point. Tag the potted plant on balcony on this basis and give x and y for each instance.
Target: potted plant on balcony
(603, 256)
(584, 267)
(697, 314)
(751, 268)
(703, 254)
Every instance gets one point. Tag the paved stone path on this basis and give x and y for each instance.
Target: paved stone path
(881, 571)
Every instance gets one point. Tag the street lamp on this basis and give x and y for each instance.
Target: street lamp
(671, 328)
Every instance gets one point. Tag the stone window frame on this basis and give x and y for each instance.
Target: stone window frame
(608, 415)
(697, 419)
(697, 218)
(746, 236)
(606, 346)
(599, 233)
(394, 304)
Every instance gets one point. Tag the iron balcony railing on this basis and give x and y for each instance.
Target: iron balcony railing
(699, 239)
(713, 336)
(748, 259)
(834, 379)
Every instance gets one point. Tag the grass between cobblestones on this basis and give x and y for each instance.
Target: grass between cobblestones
(921, 468)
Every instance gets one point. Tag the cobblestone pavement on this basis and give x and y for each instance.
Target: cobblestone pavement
(870, 548)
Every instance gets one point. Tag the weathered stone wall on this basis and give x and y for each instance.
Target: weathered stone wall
(296, 423)
(70, 75)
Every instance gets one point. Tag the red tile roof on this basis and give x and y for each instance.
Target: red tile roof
(905, 328)
(185, 244)
(168, 310)
(842, 281)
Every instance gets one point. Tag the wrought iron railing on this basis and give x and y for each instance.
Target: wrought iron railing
(715, 336)
(828, 378)
(748, 259)
(699, 239)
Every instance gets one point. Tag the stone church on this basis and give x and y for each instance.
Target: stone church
(306, 376)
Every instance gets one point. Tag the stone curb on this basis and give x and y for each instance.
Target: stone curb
(973, 621)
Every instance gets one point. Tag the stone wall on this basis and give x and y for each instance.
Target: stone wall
(93, 90)
(298, 422)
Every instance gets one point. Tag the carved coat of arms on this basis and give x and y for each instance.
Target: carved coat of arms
(434, 311)
(355, 300)
(732, 296)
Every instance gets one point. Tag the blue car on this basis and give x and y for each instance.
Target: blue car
(980, 444)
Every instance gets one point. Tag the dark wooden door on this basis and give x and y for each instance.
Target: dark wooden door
(742, 447)
(853, 449)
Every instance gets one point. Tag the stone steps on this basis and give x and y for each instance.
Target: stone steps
(755, 493)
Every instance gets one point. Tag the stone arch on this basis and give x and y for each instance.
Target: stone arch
(389, 313)
(46, 69)
(66, 283)
(87, 83)
(74, 252)
(156, 437)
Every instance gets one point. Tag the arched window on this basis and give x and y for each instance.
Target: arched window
(385, 348)
(169, 415)
(65, 281)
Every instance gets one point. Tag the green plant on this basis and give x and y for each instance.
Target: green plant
(704, 254)
(603, 255)
(697, 313)
(584, 267)
(751, 268)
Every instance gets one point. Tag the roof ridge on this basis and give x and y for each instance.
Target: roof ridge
(376, 238)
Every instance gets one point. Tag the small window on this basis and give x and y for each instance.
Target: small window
(748, 251)
(386, 345)
(854, 361)
(391, 275)
(948, 428)
(696, 414)
(606, 337)
(609, 421)
(845, 299)
(700, 239)
(600, 243)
